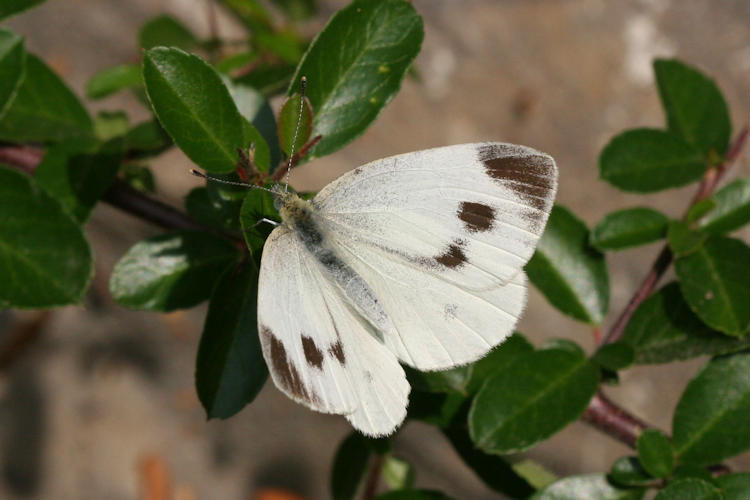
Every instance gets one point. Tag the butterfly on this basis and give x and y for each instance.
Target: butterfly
(415, 259)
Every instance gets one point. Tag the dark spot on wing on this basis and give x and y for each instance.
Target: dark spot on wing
(284, 367)
(476, 216)
(337, 350)
(531, 176)
(313, 355)
(453, 256)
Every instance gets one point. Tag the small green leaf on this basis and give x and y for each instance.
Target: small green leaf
(255, 108)
(293, 112)
(682, 239)
(297, 10)
(195, 108)
(570, 273)
(350, 467)
(732, 208)
(438, 409)
(45, 260)
(233, 62)
(110, 124)
(170, 271)
(78, 180)
(355, 66)
(735, 486)
(664, 329)
(655, 453)
(111, 80)
(44, 109)
(696, 111)
(531, 399)
(715, 281)
(413, 495)
(397, 473)
(710, 421)
(257, 205)
(690, 489)
(269, 78)
(699, 210)
(645, 160)
(12, 7)
(230, 370)
(628, 228)
(12, 63)
(138, 177)
(628, 471)
(687, 470)
(615, 356)
(146, 139)
(593, 486)
(250, 12)
(167, 31)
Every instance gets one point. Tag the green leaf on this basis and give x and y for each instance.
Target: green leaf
(350, 467)
(195, 108)
(735, 486)
(171, 271)
(355, 66)
(628, 471)
(233, 62)
(438, 409)
(628, 228)
(593, 486)
(715, 281)
(45, 260)
(12, 63)
(644, 160)
(269, 78)
(699, 210)
(257, 205)
(111, 80)
(293, 112)
(138, 177)
(230, 370)
(710, 421)
(732, 208)
(453, 380)
(297, 10)
(690, 489)
(397, 473)
(251, 12)
(615, 356)
(255, 108)
(12, 7)
(146, 139)
(493, 470)
(696, 111)
(570, 273)
(513, 347)
(530, 399)
(655, 453)
(687, 470)
(682, 239)
(664, 329)
(110, 124)
(78, 179)
(413, 495)
(208, 211)
(44, 109)
(167, 31)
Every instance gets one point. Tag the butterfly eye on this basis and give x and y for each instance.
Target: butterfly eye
(277, 203)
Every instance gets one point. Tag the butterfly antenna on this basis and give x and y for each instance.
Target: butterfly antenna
(223, 181)
(303, 86)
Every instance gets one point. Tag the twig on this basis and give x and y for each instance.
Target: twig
(710, 179)
(281, 169)
(20, 337)
(613, 420)
(373, 478)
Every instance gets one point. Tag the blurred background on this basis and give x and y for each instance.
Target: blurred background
(103, 403)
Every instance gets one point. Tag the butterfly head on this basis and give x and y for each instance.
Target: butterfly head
(291, 207)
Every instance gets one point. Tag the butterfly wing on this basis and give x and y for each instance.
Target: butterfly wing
(442, 236)
(318, 350)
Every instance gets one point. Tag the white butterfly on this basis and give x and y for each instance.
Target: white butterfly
(417, 259)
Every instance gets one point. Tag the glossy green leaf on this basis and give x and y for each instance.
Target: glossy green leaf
(111, 80)
(209, 211)
(170, 271)
(292, 113)
(413, 495)
(257, 205)
(644, 160)
(690, 489)
(44, 109)
(110, 124)
(146, 139)
(493, 470)
(78, 179)
(696, 111)
(664, 329)
(230, 370)
(628, 228)
(11, 7)
(45, 260)
(350, 466)
(710, 422)
(12, 63)
(715, 281)
(732, 209)
(682, 239)
(699, 210)
(735, 486)
(587, 486)
(655, 452)
(355, 66)
(532, 398)
(397, 473)
(628, 471)
(615, 356)
(167, 31)
(195, 108)
(570, 273)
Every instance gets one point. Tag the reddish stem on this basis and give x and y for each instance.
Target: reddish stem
(609, 418)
